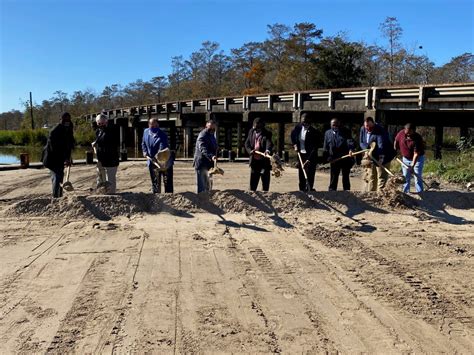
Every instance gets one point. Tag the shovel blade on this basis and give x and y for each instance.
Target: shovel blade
(68, 186)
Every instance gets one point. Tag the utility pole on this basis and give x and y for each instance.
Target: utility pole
(31, 112)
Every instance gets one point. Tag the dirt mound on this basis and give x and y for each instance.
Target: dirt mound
(102, 207)
(45, 207)
(390, 196)
(105, 207)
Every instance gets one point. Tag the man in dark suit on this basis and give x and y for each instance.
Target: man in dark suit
(375, 176)
(259, 139)
(205, 155)
(337, 143)
(57, 152)
(106, 146)
(304, 138)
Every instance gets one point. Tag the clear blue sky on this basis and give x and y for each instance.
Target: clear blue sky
(69, 45)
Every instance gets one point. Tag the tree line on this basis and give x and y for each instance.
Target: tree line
(289, 59)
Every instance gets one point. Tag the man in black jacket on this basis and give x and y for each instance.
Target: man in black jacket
(106, 146)
(259, 139)
(304, 139)
(337, 143)
(57, 152)
(205, 155)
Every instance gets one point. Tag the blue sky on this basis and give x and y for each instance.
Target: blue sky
(69, 45)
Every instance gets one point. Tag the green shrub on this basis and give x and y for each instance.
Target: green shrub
(459, 170)
(24, 137)
(6, 137)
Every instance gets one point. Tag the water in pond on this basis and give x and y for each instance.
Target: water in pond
(11, 155)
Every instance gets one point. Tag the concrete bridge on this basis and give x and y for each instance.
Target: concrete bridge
(438, 106)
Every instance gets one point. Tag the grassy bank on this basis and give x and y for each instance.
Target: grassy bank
(35, 137)
(459, 169)
(83, 135)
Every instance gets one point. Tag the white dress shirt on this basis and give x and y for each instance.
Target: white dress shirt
(302, 139)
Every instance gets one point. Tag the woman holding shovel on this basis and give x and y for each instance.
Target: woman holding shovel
(57, 152)
(106, 147)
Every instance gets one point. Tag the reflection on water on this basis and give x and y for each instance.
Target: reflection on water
(11, 155)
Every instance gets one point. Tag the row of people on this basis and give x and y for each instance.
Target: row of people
(338, 143)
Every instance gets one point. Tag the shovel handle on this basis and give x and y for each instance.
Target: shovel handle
(302, 166)
(349, 155)
(380, 165)
(262, 154)
(153, 162)
(68, 171)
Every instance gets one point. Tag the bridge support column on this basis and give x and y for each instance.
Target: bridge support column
(239, 139)
(281, 138)
(135, 140)
(464, 132)
(228, 138)
(438, 141)
(188, 141)
(296, 117)
(173, 137)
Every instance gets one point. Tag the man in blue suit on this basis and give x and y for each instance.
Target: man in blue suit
(155, 140)
(205, 155)
(376, 177)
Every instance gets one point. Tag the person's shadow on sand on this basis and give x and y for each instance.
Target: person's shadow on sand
(434, 203)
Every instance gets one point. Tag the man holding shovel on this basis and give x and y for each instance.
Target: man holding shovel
(205, 155)
(410, 144)
(376, 175)
(57, 152)
(159, 159)
(106, 147)
(338, 143)
(304, 139)
(259, 146)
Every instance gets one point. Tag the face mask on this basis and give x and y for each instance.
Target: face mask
(335, 129)
(211, 130)
(154, 129)
(67, 124)
(369, 129)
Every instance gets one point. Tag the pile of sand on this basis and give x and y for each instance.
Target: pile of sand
(105, 207)
(101, 207)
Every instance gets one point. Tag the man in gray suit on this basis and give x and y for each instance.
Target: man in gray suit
(205, 155)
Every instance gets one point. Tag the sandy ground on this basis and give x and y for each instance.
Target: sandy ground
(232, 271)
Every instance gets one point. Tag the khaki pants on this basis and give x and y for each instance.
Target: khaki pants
(107, 174)
(375, 177)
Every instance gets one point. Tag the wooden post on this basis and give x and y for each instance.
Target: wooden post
(438, 141)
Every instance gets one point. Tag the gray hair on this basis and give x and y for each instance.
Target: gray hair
(101, 118)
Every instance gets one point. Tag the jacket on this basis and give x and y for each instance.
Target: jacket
(58, 148)
(107, 146)
(206, 148)
(310, 143)
(265, 144)
(384, 145)
(337, 143)
(153, 143)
